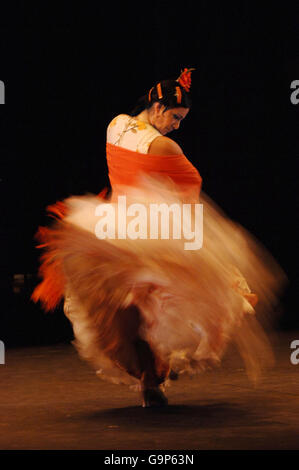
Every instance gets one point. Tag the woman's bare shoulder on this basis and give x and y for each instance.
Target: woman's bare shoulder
(117, 119)
(163, 145)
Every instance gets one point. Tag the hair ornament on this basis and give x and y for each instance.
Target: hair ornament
(185, 79)
(150, 94)
(159, 91)
(178, 94)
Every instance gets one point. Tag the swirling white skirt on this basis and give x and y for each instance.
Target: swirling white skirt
(193, 302)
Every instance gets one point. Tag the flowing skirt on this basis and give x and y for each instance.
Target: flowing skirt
(187, 304)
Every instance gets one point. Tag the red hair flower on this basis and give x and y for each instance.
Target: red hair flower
(185, 79)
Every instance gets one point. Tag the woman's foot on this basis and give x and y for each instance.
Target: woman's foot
(173, 375)
(153, 397)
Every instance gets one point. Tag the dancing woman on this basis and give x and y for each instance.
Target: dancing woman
(145, 310)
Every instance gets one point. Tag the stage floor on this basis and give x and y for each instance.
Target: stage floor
(50, 399)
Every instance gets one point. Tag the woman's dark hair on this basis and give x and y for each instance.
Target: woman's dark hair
(169, 98)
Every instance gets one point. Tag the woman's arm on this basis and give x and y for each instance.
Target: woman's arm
(164, 146)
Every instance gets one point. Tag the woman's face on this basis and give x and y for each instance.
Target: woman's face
(169, 120)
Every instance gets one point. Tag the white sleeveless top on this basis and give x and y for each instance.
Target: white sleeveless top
(128, 132)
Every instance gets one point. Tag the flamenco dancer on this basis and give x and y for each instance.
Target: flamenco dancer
(146, 310)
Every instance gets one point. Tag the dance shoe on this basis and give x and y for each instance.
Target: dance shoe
(153, 397)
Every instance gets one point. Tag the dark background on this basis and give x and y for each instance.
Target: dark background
(70, 68)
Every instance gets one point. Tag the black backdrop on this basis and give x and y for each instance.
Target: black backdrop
(68, 68)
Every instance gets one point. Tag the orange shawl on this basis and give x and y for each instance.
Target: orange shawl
(125, 166)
